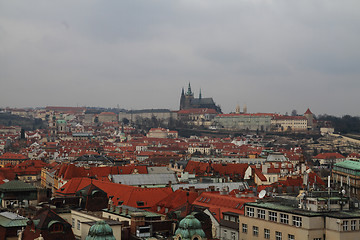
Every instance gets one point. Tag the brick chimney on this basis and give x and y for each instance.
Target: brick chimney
(137, 219)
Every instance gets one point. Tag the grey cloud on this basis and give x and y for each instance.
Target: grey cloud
(273, 55)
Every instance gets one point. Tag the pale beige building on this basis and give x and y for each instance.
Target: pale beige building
(107, 117)
(81, 222)
(289, 123)
(279, 221)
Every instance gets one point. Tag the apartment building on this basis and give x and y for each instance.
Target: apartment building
(346, 175)
(283, 221)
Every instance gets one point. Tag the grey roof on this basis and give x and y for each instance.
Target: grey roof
(82, 134)
(200, 101)
(159, 170)
(16, 186)
(276, 157)
(11, 215)
(144, 179)
(231, 185)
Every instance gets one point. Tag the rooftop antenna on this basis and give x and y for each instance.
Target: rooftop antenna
(329, 192)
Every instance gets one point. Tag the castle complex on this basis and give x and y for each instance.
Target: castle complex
(187, 101)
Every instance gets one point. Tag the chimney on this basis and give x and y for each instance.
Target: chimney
(137, 219)
(264, 168)
(126, 211)
(170, 183)
(120, 210)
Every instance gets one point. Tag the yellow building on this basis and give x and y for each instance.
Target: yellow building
(289, 123)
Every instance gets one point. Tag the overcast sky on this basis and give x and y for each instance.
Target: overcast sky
(273, 56)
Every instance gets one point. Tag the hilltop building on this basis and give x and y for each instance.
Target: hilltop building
(188, 101)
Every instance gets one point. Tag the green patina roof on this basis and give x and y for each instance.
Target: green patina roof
(61, 121)
(189, 227)
(9, 219)
(353, 165)
(16, 186)
(100, 231)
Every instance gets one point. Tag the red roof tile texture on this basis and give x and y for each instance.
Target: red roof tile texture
(127, 195)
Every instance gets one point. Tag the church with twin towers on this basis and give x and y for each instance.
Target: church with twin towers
(188, 101)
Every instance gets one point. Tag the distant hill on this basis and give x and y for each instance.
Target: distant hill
(7, 119)
(345, 124)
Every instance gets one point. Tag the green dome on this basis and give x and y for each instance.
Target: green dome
(189, 227)
(61, 122)
(100, 231)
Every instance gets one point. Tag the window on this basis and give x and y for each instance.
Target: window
(255, 231)
(278, 235)
(78, 224)
(317, 238)
(57, 227)
(261, 213)
(284, 218)
(267, 233)
(291, 237)
(233, 236)
(244, 228)
(345, 225)
(250, 212)
(273, 216)
(297, 221)
(225, 234)
(353, 225)
(226, 217)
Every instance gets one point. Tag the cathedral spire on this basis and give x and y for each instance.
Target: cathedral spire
(200, 94)
(189, 90)
(182, 92)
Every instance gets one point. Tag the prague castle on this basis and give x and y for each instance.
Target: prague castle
(187, 101)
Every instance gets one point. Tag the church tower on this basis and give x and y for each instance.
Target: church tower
(189, 96)
(237, 109)
(310, 118)
(182, 99)
(245, 108)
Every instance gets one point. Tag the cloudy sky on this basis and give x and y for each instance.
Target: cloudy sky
(273, 56)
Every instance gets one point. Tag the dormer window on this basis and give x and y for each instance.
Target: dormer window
(56, 227)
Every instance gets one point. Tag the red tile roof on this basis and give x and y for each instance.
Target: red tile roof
(219, 204)
(281, 117)
(173, 201)
(198, 111)
(128, 195)
(329, 156)
(308, 111)
(71, 171)
(13, 156)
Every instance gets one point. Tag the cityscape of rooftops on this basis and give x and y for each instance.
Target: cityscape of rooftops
(181, 120)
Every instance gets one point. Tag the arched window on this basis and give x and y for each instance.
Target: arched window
(57, 227)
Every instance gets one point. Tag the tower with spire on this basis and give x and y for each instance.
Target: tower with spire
(310, 118)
